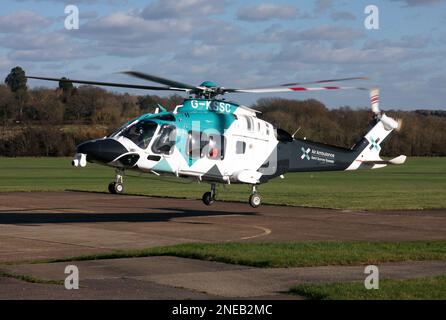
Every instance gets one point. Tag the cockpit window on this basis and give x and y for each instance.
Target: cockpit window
(117, 131)
(165, 140)
(141, 133)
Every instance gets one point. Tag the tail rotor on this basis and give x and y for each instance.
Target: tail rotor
(374, 101)
(388, 122)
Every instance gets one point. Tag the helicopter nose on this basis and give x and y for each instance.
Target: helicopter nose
(102, 150)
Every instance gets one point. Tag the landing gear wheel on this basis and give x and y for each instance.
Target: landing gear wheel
(111, 188)
(119, 188)
(208, 199)
(255, 200)
(115, 188)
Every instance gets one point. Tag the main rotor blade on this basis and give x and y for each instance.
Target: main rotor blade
(323, 81)
(272, 90)
(170, 83)
(278, 87)
(109, 84)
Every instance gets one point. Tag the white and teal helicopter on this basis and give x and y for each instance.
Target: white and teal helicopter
(216, 141)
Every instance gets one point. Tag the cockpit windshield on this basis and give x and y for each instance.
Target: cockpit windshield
(141, 133)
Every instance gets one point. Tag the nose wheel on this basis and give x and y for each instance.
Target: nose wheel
(117, 186)
(255, 200)
(209, 197)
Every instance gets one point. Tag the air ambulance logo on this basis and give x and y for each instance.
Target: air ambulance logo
(374, 143)
(305, 153)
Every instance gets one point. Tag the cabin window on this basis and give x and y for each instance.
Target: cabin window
(249, 123)
(193, 146)
(240, 147)
(166, 140)
(213, 145)
(201, 144)
(267, 129)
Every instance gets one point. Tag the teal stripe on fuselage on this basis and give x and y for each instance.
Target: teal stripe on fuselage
(204, 115)
(209, 122)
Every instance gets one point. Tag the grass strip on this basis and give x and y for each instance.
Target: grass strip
(287, 254)
(429, 288)
(418, 184)
(29, 279)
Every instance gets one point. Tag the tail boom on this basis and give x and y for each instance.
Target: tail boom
(301, 155)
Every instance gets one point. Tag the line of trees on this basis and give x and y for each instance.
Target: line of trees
(423, 132)
(51, 122)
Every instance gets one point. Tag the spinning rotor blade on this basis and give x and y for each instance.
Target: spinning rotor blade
(280, 86)
(322, 81)
(170, 83)
(270, 90)
(374, 100)
(109, 84)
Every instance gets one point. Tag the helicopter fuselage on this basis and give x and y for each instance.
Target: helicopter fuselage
(211, 140)
(219, 141)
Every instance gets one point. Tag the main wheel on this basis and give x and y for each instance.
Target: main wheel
(115, 188)
(111, 187)
(119, 188)
(255, 200)
(208, 199)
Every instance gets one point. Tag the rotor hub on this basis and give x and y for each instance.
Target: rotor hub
(208, 84)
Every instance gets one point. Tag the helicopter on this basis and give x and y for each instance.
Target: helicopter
(212, 140)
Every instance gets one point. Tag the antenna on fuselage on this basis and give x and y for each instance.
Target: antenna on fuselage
(295, 132)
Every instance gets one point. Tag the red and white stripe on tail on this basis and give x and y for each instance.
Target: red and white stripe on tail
(374, 101)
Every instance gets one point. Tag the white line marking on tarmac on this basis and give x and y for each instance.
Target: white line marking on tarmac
(265, 232)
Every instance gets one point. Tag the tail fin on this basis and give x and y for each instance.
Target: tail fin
(369, 147)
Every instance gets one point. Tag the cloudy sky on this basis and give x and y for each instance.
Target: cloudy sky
(237, 44)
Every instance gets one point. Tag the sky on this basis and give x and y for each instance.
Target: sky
(241, 44)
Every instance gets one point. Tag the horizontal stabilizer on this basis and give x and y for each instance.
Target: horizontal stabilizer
(398, 160)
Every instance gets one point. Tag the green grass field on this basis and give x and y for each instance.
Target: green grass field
(298, 254)
(419, 184)
(433, 288)
(288, 254)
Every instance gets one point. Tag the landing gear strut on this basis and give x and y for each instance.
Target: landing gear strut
(117, 186)
(254, 199)
(209, 197)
